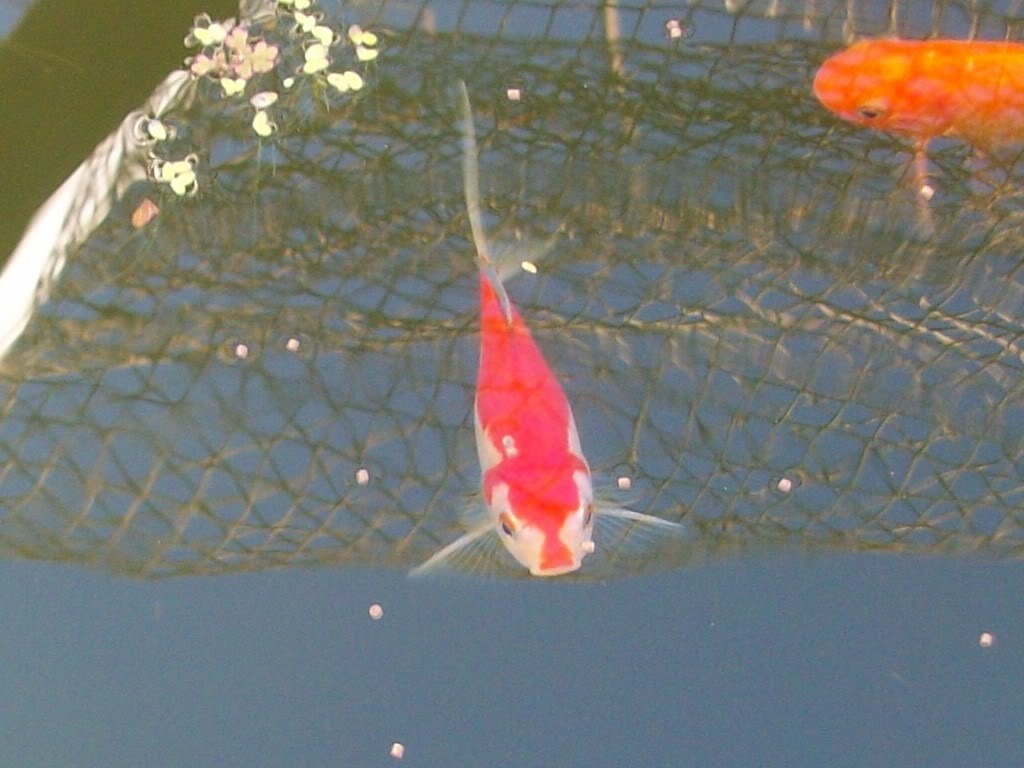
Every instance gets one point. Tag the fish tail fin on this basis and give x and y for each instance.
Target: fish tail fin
(471, 185)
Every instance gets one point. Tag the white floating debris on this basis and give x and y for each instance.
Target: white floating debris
(184, 183)
(214, 34)
(927, 191)
(324, 35)
(288, 82)
(785, 485)
(366, 54)
(180, 175)
(625, 483)
(145, 213)
(359, 36)
(345, 81)
(169, 170)
(675, 29)
(588, 547)
(157, 130)
(232, 85)
(293, 344)
(263, 99)
(316, 59)
(986, 640)
(263, 125)
(305, 21)
(376, 612)
(150, 129)
(397, 750)
(362, 476)
(514, 94)
(241, 350)
(528, 266)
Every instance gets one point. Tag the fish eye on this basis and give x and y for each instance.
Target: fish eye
(507, 524)
(870, 111)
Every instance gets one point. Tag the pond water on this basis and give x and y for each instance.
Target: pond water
(228, 431)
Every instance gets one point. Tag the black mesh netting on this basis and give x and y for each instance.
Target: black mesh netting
(741, 293)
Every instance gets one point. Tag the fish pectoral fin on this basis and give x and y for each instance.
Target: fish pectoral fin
(478, 551)
(624, 515)
(627, 540)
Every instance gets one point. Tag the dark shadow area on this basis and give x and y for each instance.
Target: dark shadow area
(69, 73)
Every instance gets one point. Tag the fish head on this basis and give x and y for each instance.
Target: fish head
(883, 84)
(546, 536)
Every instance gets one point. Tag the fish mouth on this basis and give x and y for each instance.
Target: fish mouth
(555, 570)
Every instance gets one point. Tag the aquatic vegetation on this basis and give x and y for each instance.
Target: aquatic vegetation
(179, 175)
(273, 55)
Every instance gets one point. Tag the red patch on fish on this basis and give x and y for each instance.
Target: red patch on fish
(526, 418)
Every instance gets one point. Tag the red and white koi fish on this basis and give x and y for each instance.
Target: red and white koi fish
(966, 89)
(536, 480)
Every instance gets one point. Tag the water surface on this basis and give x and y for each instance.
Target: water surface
(741, 292)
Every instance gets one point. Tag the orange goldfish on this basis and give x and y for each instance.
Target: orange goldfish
(536, 481)
(970, 90)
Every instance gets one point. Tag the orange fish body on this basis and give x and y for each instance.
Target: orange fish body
(971, 90)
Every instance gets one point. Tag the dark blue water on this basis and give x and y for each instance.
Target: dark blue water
(848, 661)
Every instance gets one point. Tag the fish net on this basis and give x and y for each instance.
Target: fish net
(751, 320)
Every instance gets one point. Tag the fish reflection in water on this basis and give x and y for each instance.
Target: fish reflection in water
(536, 480)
